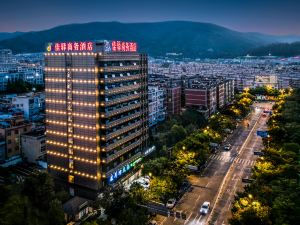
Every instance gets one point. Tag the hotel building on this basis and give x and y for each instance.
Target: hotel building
(97, 112)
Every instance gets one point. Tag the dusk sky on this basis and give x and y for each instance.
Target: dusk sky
(266, 16)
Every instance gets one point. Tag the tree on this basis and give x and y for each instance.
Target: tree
(155, 166)
(176, 134)
(276, 185)
(55, 213)
(34, 203)
(247, 211)
(118, 200)
(192, 116)
(15, 211)
(162, 188)
(40, 189)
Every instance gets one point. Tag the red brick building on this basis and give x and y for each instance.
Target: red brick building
(208, 93)
(173, 100)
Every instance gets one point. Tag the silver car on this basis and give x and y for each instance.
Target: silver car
(204, 208)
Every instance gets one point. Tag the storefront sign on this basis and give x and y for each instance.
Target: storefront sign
(117, 174)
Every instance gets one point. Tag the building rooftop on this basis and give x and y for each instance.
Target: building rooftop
(74, 205)
(35, 133)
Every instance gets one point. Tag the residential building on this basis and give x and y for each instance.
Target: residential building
(6, 56)
(208, 93)
(96, 111)
(156, 101)
(6, 77)
(25, 67)
(33, 146)
(201, 96)
(11, 129)
(220, 95)
(266, 80)
(2, 150)
(27, 103)
(173, 99)
(228, 91)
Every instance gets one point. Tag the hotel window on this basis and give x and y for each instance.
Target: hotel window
(71, 179)
(70, 140)
(71, 164)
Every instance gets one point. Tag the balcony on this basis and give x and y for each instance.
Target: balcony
(123, 140)
(132, 159)
(119, 57)
(122, 110)
(123, 151)
(118, 90)
(122, 130)
(121, 68)
(123, 120)
(120, 79)
(121, 100)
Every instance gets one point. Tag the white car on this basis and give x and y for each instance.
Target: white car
(204, 208)
(144, 183)
(171, 203)
(145, 178)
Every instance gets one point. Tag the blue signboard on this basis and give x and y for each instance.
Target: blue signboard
(262, 133)
(117, 174)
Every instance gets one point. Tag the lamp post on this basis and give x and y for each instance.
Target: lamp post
(268, 139)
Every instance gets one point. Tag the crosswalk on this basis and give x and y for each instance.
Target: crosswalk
(232, 159)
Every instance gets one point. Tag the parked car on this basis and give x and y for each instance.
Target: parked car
(152, 222)
(227, 147)
(143, 182)
(147, 178)
(204, 208)
(171, 203)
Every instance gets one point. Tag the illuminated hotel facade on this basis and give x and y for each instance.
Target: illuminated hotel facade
(97, 111)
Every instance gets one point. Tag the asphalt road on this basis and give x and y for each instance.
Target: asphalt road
(222, 178)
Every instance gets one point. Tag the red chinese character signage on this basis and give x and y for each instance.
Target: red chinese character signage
(70, 46)
(123, 46)
(109, 46)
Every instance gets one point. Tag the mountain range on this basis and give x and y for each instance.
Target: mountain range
(192, 39)
(7, 35)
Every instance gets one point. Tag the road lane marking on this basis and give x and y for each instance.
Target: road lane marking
(194, 220)
(199, 219)
(231, 166)
(188, 218)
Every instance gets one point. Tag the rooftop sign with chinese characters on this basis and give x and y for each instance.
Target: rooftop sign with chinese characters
(92, 46)
(70, 46)
(123, 46)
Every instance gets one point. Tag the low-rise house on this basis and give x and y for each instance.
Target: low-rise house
(11, 129)
(76, 209)
(33, 146)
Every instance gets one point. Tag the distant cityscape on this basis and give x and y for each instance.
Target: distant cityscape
(173, 86)
(85, 111)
